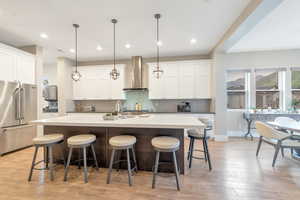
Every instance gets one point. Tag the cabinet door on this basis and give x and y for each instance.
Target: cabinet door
(104, 84)
(26, 68)
(117, 86)
(7, 65)
(203, 80)
(170, 81)
(156, 89)
(186, 80)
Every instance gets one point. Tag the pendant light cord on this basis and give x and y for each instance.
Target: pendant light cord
(76, 48)
(157, 41)
(76, 26)
(114, 45)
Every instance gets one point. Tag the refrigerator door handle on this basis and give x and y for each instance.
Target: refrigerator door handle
(17, 103)
(21, 110)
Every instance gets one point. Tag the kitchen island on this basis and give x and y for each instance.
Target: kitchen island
(143, 127)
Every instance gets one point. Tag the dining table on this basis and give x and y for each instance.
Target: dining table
(292, 128)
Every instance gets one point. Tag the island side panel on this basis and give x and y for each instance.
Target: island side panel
(68, 131)
(144, 150)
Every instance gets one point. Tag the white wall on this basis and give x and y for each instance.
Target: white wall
(50, 73)
(251, 60)
(65, 85)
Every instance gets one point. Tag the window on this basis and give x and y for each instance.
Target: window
(295, 88)
(267, 89)
(237, 89)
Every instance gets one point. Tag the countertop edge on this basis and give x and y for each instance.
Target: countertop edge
(210, 113)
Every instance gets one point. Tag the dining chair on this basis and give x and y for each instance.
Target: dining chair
(288, 122)
(276, 138)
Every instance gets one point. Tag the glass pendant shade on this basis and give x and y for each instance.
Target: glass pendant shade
(114, 74)
(157, 73)
(76, 76)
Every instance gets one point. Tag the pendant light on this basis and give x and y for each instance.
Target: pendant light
(157, 72)
(114, 74)
(76, 75)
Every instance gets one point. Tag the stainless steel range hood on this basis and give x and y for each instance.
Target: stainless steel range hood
(135, 75)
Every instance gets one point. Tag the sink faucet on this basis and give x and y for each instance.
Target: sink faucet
(118, 107)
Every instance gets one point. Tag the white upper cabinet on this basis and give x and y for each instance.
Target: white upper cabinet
(181, 80)
(7, 65)
(203, 80)
(170, 82)
(16, 65)
(96, 84)
(186, 80)
(25, 69)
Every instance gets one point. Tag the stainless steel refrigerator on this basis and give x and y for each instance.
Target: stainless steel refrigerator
(18, 106)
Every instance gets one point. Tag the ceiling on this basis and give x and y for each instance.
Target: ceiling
(279, 30)
(206, 20)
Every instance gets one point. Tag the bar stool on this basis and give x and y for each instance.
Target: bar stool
(46, 141)
(197, 134)
(165, 144)
(81, 142)
(122, 142)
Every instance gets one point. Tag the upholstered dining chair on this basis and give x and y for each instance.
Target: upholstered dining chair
(287, 122)
(276, 138)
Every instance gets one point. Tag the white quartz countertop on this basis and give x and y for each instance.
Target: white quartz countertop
(153, 121)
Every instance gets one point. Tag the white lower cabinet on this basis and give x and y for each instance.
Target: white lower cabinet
(96, 84)
(181, 80)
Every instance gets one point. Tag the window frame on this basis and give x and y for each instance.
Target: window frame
(281, 86)
(246, 90)
(293, 69)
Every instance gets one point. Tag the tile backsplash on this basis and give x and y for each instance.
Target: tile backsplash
(141, 97)
(133, 97)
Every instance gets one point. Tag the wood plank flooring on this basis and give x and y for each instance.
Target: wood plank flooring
(237, 175)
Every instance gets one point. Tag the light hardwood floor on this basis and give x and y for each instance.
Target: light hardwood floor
(237, 175)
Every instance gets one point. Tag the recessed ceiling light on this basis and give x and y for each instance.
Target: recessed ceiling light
(44, 35)
(159, 43)
(72, 50)
(127, 45)
(193, 41)
(99, 48)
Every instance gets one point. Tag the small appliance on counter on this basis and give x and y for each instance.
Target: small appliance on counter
(184, 107)
(50, 95)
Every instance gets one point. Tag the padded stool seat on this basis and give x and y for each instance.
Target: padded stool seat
(165, 143)
(84, 139)
(195, 133)
(122, 141)
(48, 139)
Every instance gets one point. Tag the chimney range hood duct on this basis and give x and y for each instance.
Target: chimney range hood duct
(136, 74)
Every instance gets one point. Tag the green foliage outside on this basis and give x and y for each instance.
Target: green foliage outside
(296, 79)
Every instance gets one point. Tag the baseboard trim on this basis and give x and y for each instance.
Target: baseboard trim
(221, 138)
